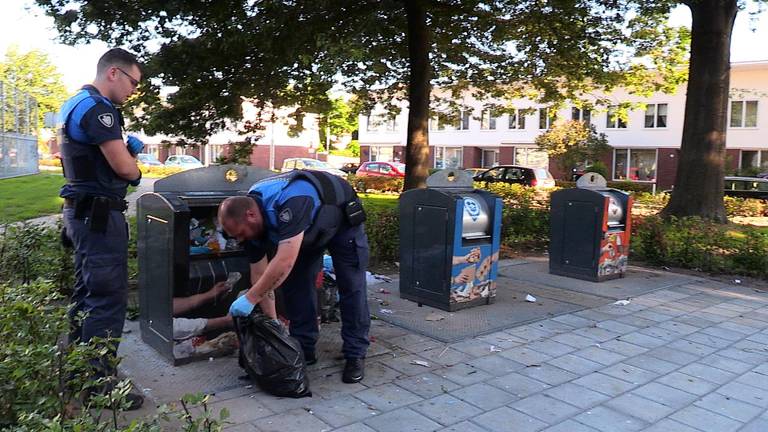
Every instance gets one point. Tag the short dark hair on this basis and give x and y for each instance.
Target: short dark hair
(116, 57)
(234, 208)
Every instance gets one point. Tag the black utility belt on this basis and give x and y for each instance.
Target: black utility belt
(95, 210)
(111, 204)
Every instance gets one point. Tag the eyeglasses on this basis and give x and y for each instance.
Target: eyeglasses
(134, 81)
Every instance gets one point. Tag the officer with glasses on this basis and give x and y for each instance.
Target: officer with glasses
(98, 166)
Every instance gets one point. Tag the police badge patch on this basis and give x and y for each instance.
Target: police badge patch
(285, 215)
(106, 119)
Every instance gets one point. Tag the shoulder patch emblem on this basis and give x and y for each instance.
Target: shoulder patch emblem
(107, 119)
(285, 215)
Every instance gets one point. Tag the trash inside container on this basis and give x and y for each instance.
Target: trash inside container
(449, 242)
(182, 252)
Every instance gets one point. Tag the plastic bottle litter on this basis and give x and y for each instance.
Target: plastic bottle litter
(530, 298)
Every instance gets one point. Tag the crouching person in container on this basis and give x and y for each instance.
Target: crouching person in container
(297, 216)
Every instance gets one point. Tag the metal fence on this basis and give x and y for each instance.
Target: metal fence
(18, 132)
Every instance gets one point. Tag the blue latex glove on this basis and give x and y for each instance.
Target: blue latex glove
(135, 146)
(241, 307)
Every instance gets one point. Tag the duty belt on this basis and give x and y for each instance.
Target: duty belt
(114, 204)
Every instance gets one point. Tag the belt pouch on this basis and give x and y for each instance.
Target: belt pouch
(99, 215)
(354, 212)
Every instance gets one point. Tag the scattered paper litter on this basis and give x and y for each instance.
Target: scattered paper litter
(386, 311)
(737, 281)
(494, 348)
(434, 316)
(621, 302)
(530, 298)
(420, 363)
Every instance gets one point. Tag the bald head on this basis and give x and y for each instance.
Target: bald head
(240, 218)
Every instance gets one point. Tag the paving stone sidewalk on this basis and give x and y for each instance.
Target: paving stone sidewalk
(688, 358)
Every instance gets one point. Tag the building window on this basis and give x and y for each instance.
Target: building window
(634, 164)
(613, 121)
(448, 157)
(457, 120)
(754, 159)
(488, 120)
(530, 157)
(581, 114)
(517, 119)
(381, 154)
(546, 118)
(382, 122)
(743, 114)
(656, 116)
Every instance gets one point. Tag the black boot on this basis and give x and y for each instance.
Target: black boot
(354, 370)
(310, 359)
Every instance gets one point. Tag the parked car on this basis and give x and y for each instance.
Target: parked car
(148, 160)
(291, 164)
(184, 162)
(350, 167)
(513, 174)
(746, 187)
(382, 169)
(475, 171)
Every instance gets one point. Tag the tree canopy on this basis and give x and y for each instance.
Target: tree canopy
(573, 143)
(32, 72)
(288, 53)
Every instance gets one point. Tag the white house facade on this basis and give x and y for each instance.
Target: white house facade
(645, 147)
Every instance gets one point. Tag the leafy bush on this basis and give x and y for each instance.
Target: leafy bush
(53, 162)
(701, 245)
(380, 184)
(33, 251)
(158, 171)
(383, 229)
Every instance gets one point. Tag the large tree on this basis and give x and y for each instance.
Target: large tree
(283, 52)
(32, 72)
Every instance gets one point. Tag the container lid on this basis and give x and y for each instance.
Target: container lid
(591, 180)
(212, 180)
(452, 178)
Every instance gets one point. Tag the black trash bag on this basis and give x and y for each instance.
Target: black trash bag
(271, 357)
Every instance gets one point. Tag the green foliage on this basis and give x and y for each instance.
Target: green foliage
(701, 245)
(354, 148)
(340, 119)
(240, 153)
(573, 142)
(382, 227)
(32, 251)
(32, 72)
(381, 184)
(600, 168)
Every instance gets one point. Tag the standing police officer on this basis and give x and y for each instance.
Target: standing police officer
(99, 166)
(296, 216)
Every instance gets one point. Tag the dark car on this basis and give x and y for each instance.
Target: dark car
(746, 187)
(514, 174)
(382, 169)
(350, 167)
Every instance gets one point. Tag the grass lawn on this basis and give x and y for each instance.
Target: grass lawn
(30, 196)
(379, 201)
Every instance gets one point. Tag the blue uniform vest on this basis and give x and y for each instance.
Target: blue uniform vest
(327, 213)
(85, 167)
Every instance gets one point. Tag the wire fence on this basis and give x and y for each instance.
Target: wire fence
(18, 132)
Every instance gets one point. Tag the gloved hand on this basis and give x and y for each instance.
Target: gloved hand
(135, 182)
(241, 307)
(135, 146)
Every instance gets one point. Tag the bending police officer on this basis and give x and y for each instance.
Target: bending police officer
(296, 216)
(99, 166)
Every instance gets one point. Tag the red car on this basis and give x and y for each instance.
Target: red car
(382, 169)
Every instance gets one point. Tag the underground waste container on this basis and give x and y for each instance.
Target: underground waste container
(182, 253)
(449, 242)
(590, 228)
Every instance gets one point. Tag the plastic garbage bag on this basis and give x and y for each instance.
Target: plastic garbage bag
(271, 357)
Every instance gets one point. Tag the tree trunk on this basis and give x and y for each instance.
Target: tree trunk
(419, 88)
(699, 181)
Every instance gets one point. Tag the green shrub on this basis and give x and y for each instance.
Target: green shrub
(701, 245)
(383, 229)
(34, 251)
(380, 184)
